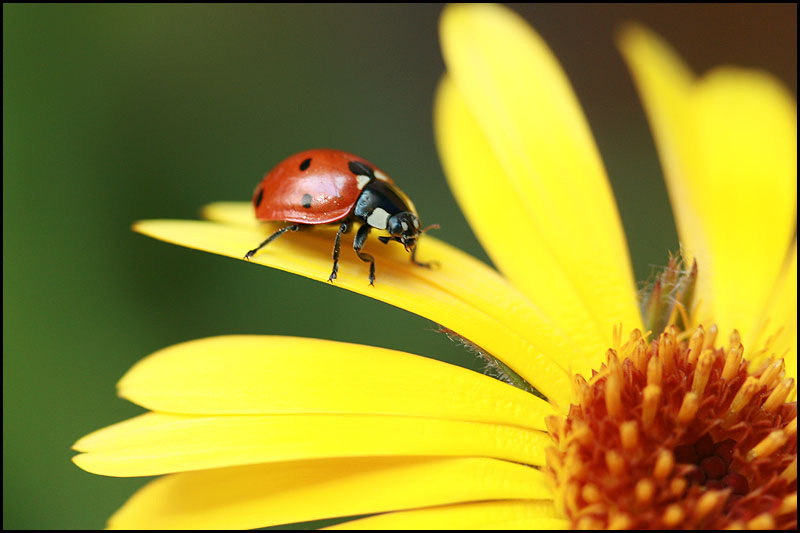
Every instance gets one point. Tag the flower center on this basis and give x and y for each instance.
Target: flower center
(673, 434)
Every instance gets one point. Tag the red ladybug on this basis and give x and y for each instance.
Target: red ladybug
(326, 186)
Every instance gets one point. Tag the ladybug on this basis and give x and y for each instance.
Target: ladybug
(325, 186)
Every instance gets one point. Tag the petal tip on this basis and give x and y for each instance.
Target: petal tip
(629, 34)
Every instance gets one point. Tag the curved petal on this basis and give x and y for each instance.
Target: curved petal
(778, 330)
(155, 443)
(462, 294)
(511, 514)
(462, 147)
(248, 374)
(536, 150)
(263, 495)
(728, 144)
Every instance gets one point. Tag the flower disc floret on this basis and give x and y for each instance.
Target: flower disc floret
(671, 434)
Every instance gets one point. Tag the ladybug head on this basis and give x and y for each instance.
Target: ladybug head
(404, 227)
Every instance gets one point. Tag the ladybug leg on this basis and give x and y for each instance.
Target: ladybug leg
(414, 260)
(344, 228)
(358, 244)
(294, 227)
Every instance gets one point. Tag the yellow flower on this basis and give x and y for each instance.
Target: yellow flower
(661, 432)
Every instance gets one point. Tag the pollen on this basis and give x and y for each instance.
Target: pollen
(676, 433)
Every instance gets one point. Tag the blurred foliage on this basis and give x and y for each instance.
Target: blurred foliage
(113, 113)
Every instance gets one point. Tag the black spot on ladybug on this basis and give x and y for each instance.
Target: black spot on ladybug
(305, 164)
(360, 169)
(259, 197)
(306, 201)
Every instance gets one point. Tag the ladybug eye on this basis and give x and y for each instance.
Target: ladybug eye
(360, 169)
(305, 164)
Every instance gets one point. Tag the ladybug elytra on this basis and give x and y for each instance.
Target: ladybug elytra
(325, 186)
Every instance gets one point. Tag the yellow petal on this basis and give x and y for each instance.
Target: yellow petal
(728, 144)
(262, 495)
(778, 330)
(467, 163)
(462, 294)
(287, 375)
(155, 443)
(519, 514)
(538, 154)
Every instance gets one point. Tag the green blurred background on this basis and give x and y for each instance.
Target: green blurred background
(123, 112)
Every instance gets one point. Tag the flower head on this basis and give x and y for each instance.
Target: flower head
(680, 419)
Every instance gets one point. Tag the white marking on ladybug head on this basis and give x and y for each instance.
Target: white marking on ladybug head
(404, 225)
(362, 181)
(380, 175)
(378, 218)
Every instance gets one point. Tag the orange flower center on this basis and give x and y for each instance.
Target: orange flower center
(678, 435)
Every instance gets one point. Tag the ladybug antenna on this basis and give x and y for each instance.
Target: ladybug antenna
(432, 226)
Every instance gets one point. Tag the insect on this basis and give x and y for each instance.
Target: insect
(325, 186)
